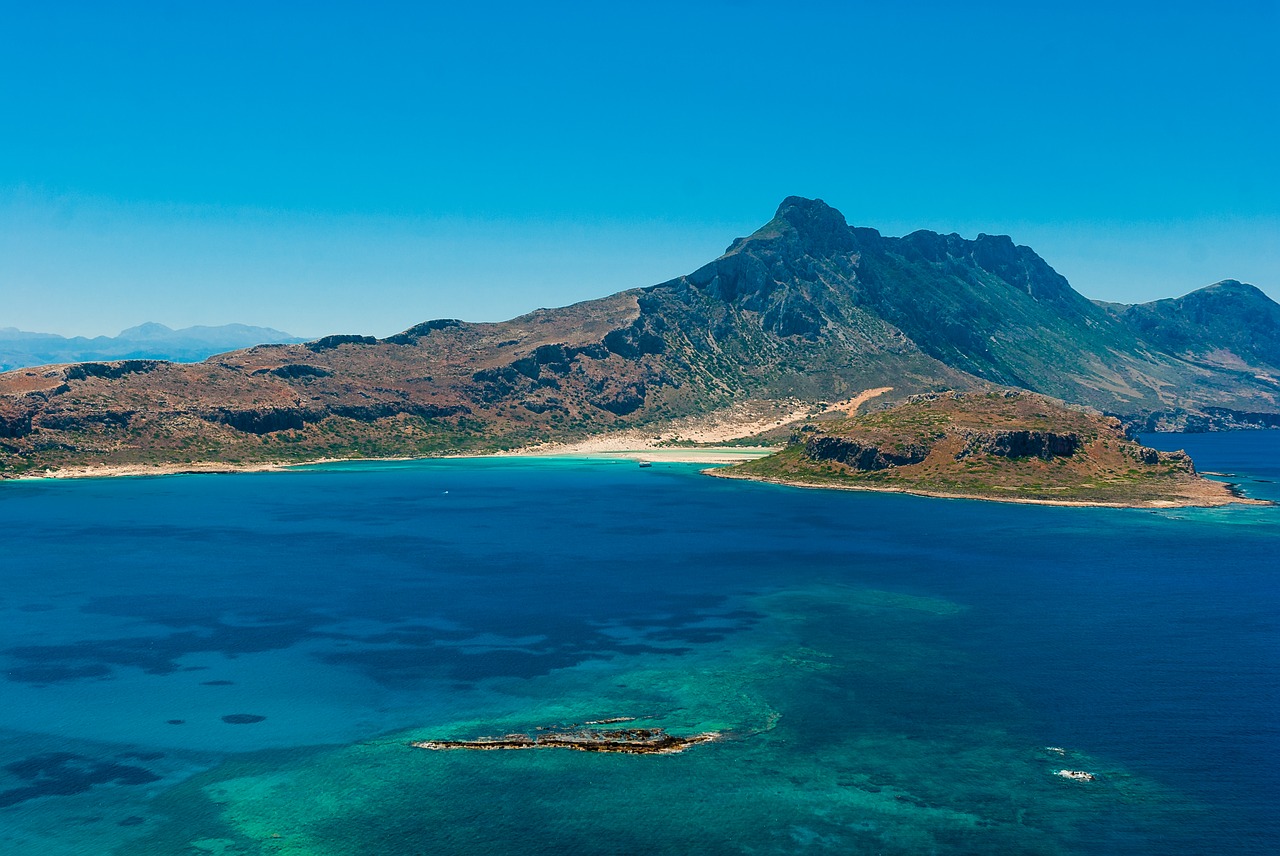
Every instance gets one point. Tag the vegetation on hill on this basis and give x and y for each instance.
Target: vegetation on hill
(1009, 446)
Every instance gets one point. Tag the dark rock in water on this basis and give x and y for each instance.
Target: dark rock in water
(631, 741)
(242, 718)
(216, 683)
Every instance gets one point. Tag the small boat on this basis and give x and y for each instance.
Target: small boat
(1076, 775)
(644, 464)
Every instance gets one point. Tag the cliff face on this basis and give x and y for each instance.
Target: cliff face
(1046, 445)
(806, 308)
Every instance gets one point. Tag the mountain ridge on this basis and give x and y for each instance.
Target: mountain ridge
(804, 309)
(149, 340)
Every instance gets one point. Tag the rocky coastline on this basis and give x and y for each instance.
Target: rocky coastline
(629, 741)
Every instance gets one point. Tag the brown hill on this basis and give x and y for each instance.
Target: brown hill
(1008, 446)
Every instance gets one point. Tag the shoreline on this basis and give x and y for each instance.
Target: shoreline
(664, 454)
(656, 454)
(715, 455)
(1214, 500)
(718, 456)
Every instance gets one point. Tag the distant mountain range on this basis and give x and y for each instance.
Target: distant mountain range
(804, 310)
(153, 341)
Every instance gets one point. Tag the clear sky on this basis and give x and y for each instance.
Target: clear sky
(331, 167)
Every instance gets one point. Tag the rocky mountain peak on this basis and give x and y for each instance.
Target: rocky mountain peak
(1236, 288)
(1228, 292)
(819, 229)
(795, 209)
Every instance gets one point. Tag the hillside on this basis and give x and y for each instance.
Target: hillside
(1228, 327)
(1007, 446)
(804, 310)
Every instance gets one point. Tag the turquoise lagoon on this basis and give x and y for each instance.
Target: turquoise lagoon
(889, 672)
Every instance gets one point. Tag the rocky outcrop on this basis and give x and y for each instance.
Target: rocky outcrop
(631, 741)
(385, 409)
(327, 343)
(71, 420)
(554, 359)
(416, 332)
(641, 338)
(112, 371)
(549, 404)
(264, 420)
(14, 424)
(298, 370)
(618, 398)
(863, 457)
(1020, 444)
(1179, 460)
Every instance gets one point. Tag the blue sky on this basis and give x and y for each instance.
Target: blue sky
(332, 167)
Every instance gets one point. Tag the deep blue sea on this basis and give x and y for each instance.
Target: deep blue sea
(236, 664)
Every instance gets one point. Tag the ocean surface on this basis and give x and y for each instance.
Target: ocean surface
(236, 664)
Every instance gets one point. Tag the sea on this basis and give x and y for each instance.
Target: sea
(238, 664)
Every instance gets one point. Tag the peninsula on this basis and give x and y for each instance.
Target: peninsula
(1008, 445)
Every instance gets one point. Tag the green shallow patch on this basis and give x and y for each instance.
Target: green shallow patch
(851, 726)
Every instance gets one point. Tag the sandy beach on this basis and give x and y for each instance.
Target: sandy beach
(600, 450)
(668, 454)
(124, 470)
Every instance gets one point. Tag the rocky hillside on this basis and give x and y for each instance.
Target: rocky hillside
(1009, 446)
(806, 309)
(1226, 328)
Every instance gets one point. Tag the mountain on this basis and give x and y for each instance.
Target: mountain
(1228, 325)
(805, 310)
(19, 348)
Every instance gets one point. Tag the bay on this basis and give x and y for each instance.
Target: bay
(237, 664)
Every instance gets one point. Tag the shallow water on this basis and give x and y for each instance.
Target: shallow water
(887, 671)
